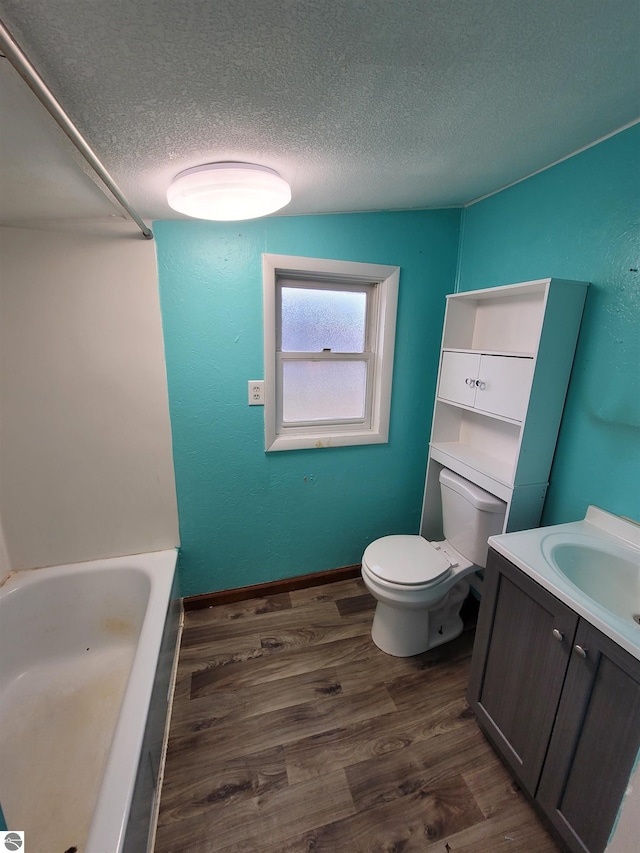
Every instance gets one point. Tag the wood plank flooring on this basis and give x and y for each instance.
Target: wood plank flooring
(292, 733)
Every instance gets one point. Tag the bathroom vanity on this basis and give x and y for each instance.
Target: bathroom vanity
(555, 677)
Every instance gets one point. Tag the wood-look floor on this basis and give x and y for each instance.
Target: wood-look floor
(292, 733)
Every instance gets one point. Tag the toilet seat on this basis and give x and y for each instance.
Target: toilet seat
(405, 560)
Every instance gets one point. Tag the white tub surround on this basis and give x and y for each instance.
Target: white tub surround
(85, 436)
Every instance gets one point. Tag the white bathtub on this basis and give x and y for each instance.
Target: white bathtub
(79, 650)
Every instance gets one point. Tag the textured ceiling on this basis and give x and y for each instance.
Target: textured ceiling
(359, 104)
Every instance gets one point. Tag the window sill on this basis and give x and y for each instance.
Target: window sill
(311, 441)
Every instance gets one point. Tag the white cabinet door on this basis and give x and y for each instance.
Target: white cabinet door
(496, 384)
(458, 376)
(503, 386)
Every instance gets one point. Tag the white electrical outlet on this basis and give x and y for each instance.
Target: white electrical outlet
(256, 392)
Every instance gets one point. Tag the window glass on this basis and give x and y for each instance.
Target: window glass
(314, 320)
(323, 390)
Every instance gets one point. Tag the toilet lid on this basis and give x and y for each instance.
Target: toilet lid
(409, 560)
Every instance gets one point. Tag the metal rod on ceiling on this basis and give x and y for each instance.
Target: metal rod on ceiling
(16, 56)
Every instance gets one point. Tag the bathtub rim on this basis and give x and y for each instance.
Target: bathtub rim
(109, 824)
(111, 813)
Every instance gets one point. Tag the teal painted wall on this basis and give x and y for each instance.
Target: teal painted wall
(248, 517)
(579, 220)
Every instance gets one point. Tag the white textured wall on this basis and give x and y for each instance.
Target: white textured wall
(85, 440)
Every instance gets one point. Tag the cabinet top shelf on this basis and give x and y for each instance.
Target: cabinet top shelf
(503, 322)
(537, 286)
(502, 291)
(509, 353)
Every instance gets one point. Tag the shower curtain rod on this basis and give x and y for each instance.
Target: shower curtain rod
(34, 81)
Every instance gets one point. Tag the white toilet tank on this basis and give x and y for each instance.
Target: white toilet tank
(469, 516)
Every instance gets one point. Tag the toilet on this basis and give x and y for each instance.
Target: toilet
(419, 585)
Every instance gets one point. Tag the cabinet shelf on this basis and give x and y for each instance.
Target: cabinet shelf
(511, 353)
(448, 453)
(485, 444)
(507, 319)
(491, 415)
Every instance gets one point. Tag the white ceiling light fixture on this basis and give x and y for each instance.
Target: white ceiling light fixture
(228, 191)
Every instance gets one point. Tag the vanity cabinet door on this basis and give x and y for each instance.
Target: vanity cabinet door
(594, 744)
(520, 657)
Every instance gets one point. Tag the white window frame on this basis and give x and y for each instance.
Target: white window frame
(382, 283)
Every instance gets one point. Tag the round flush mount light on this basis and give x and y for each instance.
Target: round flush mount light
(228, 191)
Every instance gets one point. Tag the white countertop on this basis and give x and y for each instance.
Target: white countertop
(526, 549)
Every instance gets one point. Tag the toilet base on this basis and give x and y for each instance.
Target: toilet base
(401, 632)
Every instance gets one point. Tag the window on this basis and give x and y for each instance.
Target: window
(329, 336)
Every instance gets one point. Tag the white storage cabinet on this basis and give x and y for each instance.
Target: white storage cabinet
(505, 363)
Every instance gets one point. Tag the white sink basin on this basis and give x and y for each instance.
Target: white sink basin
(593, 566)
(605, 571)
